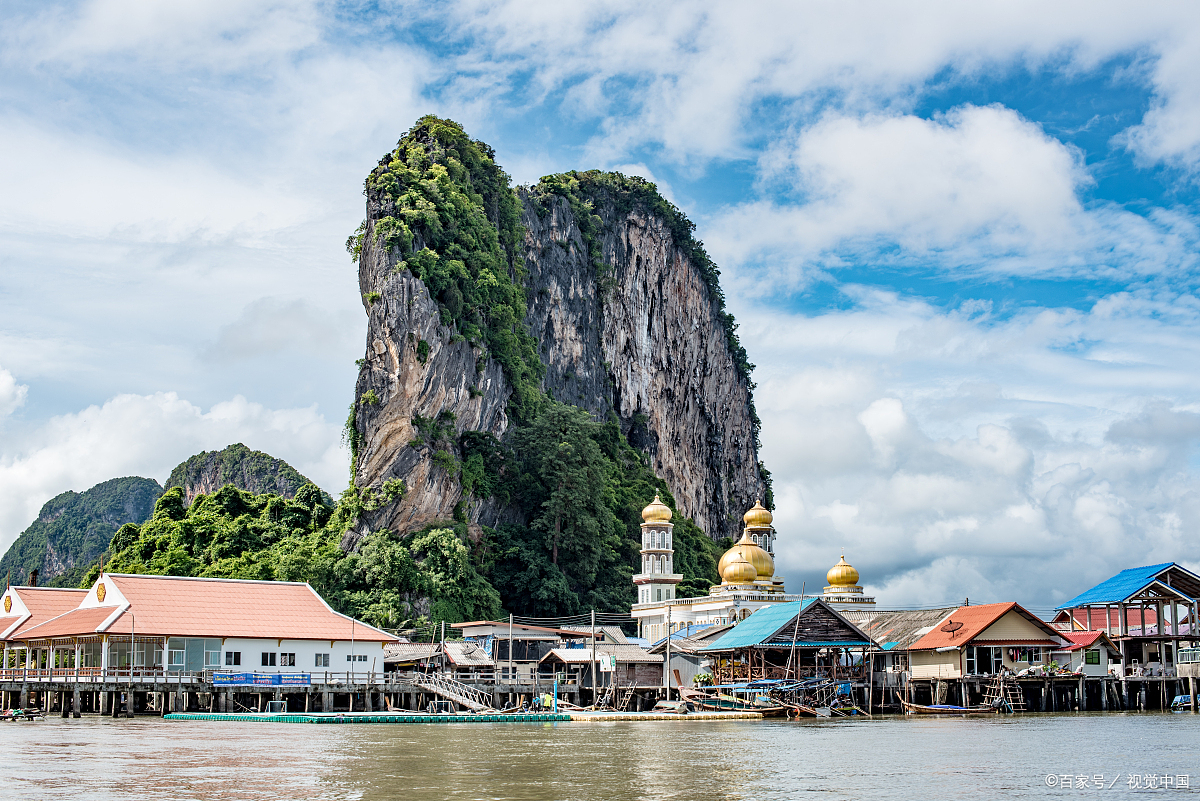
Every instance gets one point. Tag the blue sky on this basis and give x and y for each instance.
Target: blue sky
(961, 243)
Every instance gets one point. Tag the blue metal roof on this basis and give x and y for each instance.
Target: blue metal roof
(760, 626)
(817, 643)
(1116, 589)
(688, 630)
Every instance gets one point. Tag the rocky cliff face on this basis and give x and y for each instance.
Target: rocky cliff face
(627, 324)
(642, 337)
(254, 471)
(411, 381)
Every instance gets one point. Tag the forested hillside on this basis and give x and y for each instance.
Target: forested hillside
(74, 528)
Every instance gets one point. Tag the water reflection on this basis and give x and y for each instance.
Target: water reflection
(101, 758)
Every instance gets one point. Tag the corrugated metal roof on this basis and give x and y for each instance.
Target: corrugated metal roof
(700, 638)
(625, 654)
(1118, 588)
(465, 653)
(896, 629)
(762, 626)
(815, 644)
(409, 651)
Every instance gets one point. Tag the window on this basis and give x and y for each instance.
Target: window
(268, 659)
(176, 654)
(322, 660)
(356, 657)
(147, 654)
(984, 659)
(212, 653)
(233, 658)
(1092, 657)
(287, 660)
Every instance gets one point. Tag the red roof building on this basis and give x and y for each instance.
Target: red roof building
(982, 640)
(26, 607)
(175, 624)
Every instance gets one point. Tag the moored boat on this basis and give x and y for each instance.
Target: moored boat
(721, 702)
(947, 709)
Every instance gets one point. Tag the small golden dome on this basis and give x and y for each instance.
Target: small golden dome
(745, 548)
(657, 511)
(842, 574)
(738, 571)
(758, 516)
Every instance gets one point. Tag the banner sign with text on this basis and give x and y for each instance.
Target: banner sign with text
(262, 679)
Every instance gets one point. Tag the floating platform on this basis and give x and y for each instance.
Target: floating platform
(368, 717)
(496, 717)
(605, 716)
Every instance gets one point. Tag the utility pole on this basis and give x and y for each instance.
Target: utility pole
(595, 683)
(443, 659)
(667, 664)
(510, 657)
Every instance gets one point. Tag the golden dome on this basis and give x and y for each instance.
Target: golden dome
(758, 516)
(842, 574)
(738, 570)
(657, 511)
(745, 548)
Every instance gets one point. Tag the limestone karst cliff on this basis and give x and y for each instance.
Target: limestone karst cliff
(588, 286)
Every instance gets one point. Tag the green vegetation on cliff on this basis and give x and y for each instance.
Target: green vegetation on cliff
(581, 487)
(74, 528)
(452, 220)
(236, 464)
(237, 534)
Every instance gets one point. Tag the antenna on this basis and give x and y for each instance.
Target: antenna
(951, 627)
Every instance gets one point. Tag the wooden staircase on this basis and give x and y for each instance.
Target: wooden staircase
(1013, 698)
(454, 690)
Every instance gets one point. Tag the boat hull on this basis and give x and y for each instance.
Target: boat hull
(946, 709)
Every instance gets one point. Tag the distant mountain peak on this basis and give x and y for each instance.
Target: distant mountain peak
(253, 471)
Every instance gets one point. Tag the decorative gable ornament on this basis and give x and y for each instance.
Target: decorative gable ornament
(100, 592)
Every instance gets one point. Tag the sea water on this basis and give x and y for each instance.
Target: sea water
(1024, 756)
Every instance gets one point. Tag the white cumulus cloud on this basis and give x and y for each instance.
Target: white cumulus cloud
(148, 435)
(12, 394)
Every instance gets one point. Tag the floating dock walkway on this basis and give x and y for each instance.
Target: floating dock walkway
(391, 717)
(369, 717)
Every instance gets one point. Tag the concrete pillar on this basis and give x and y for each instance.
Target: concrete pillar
(369, 701)
(24, 696)
(1192, 691)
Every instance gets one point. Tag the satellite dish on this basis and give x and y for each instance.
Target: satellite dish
(951, 627)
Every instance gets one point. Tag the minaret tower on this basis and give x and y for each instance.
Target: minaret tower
(658, 578)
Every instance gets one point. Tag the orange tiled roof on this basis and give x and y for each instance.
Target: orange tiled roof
(43, 603)
(975, 620)
(69, 624)
(191, 607)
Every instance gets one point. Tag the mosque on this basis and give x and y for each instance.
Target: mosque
(748, 580)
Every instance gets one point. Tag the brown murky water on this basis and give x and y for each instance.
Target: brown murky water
(911, 759)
